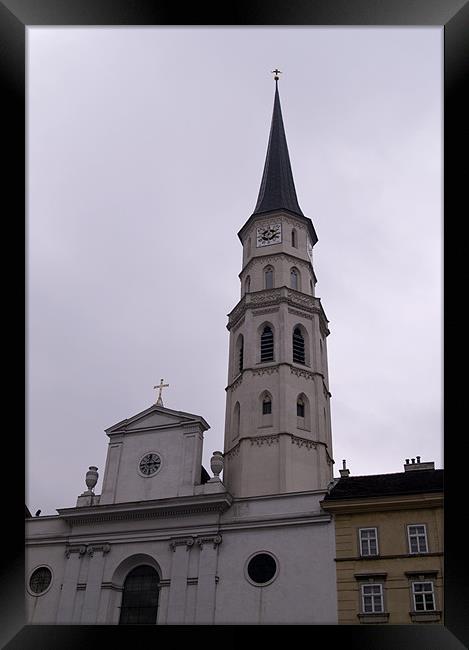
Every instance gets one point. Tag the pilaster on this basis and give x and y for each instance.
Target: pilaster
(74, 555)
(96, 554)
(206, 586)
(179, 574)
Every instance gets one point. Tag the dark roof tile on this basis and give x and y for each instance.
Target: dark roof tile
(380, 485)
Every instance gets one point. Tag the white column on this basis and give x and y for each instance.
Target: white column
(205, 605)
(179, 574)
(93, 583)
(69, 585)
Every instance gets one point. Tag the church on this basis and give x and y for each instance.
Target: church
(165, 542)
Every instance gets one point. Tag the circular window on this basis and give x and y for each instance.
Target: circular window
(262, 569)
(149, 464)
(40, 580)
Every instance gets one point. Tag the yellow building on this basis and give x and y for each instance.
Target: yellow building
(389, 545)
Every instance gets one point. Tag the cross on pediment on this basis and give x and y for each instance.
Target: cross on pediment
(159, 401)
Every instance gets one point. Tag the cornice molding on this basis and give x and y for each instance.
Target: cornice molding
(417, 501)
(401, 556)
(274, 438)
(176, 507)
(271, 258)
(273, 368)
(273, 297)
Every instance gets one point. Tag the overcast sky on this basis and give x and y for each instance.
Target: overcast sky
(145, 154)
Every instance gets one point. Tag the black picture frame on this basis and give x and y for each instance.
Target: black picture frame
(453, 17)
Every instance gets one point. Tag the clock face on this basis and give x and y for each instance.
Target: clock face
(149, 464)
(309, 249)
(267, 235)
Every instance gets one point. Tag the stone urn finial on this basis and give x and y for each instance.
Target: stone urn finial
(216, 465)
(91, 479)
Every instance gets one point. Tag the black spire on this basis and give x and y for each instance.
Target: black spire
(277, 189)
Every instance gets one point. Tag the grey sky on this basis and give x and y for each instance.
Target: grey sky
(145, 153)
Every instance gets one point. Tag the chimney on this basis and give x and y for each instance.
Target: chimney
(413, 466)
(344, 472)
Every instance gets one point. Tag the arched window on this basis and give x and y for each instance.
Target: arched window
(140, 597)
(267, 344)
(293, 238)
(247, 284)
(236, 419)
(300, 408)
(298, 346)
(267, 405)
(268, 277)
(240, 353)
(294, 279)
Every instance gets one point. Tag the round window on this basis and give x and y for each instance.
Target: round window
(262, 568)
(40, 580)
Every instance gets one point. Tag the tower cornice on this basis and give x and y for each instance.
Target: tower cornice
(270, 297)
(263, 259)
(269, 368)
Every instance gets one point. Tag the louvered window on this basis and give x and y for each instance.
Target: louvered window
(267, 345)
(241, 355)
(298, 346)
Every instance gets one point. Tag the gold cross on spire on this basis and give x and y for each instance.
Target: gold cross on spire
(276, 73)
(159, 401)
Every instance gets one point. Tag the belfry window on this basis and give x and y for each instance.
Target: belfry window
(140, 597)
(247, 284)
(236, 420)
(298, 346)
(269, 277)
(300, 408)
(241, 355)
(266, 405)
(294, 283)
(267, 345)
(293, 238)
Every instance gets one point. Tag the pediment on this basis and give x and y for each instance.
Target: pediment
(157, 417)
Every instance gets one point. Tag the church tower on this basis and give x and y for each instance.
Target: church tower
(277, 424)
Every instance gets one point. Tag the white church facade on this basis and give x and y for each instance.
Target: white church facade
(164, 543)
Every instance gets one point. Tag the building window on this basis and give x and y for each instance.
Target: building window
(293, 238)
(311, 287)
(40, 580)
(269, 277)
(261, 569)
(417, 538)
(266, 405)
(239, 354)
(424, 597)
(298, 346)
(236, 420)
(300, 408)
(267, 344)
(247, 284)
(372, 598)
(294, 279)
(368, 541)
(140, 597)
